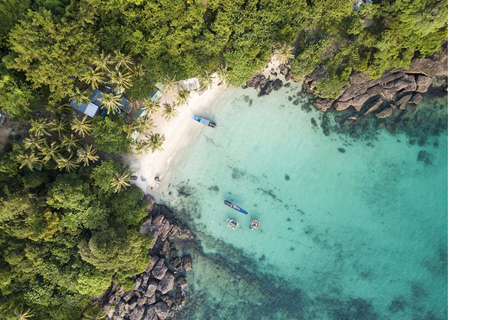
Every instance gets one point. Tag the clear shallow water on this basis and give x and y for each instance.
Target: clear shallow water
(355, 235)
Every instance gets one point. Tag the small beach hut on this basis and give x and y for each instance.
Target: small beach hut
(125, 105)
(189, 84)
(97, 97)
(140, 113)
(89, 109)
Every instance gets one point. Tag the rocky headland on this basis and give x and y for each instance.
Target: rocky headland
(159, 290)
(388, 102)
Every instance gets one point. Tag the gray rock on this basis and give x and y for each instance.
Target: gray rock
(161, 309)
(386, 78)
(152, 300)
(389, 94)
(164, 230)
(431, 68)
(114, 299)
(151, 314)
(374, 106)
(403, 101)
(145, 229)
(168, 299)
(358, 77)
(423, 83)
(152, 264)
(384, 113)
(322, 104)
(277, 84)
(167, 283)
(187, 263)
(150, 290)
(359, 101)
(342, 105)
(159, 270)
(158, 220)
(128, 295)
(137, 313)
(353, 91)
(141, 301)
(375, 90)
(417, 97)
(181, 281)
(131, 304)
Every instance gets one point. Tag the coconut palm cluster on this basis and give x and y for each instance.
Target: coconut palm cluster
(58, 144)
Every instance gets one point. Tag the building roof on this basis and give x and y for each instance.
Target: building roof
(190, 84)
(125, 105)
(89, 109)
(156, 95)
(140, 113)
(97, 97)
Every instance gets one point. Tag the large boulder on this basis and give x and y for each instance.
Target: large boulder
(431, 68)
(164, 230)
(400, 103)
(187, 262)
(181, 281)
(266, 88)
(322, 104)
(353, 91)
(152, 264)
(161, 309)
(150, 314)
(167, 283)
(374, 106)
(342, 105)
(150, 290)
(277, 84)
(137, 313)
(417, 97)
(158, 220)
(423, 83)
(358, 77)
(159, 270)
(359, 101)
(384, 113)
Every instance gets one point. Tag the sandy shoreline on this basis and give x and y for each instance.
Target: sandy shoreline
(177, 131)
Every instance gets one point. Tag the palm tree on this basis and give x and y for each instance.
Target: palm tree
(50, 151)
(170, 110)
(30, 160)
(60, 125)
(140, 147)
(123, 60)
(121, 80)
(82, 127)
(120, 180)
(156, 141)
(102, 62)
(81, 96)
(138, 71)
(87, 154)
(143, 125)
(183, 97)
(169, 85)
(21, 314)
(222, 73)
(68, 164)
(206, 79)
(95, 313)
(284, 53)
(39, 127)
(33, 141)
(151, 106)
(70, 142)
(93, 77)
(111, 101)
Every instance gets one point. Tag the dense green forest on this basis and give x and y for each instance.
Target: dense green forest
(69, 220)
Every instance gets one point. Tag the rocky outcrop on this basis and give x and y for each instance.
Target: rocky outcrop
(157, 291)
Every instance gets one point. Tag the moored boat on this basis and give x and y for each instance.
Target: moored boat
(234, 207)
(204, 121)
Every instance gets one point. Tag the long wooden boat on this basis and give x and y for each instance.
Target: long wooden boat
(234, 207)
(204, 121)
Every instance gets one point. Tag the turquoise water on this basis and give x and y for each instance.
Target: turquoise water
(359, 234)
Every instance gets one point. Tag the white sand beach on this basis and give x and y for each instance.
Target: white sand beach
(177, 131)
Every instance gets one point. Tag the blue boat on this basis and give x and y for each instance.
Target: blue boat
(204, 121)
(234, 207)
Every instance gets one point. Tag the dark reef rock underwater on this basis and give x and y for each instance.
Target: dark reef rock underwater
(158, 291)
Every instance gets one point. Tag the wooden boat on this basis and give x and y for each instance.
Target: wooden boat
(232, 224)
(204, 121)
(234, 207)
(255, 224)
